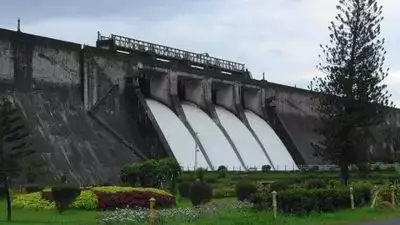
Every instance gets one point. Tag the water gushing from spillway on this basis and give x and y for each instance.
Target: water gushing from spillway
(275, 148)
(246, 144)
(178, 137)
(215, 144)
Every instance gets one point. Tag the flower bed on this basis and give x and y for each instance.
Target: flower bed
(100, 198)
(173, 216)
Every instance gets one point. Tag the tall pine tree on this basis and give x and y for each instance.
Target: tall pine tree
(351, 94)
(14, 145)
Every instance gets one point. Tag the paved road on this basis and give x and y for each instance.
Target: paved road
(385, 222)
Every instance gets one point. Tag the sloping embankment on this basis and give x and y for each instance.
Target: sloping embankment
(69, 140)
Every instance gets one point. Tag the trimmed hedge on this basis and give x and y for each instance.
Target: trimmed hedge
(99, 198)
(304, 201)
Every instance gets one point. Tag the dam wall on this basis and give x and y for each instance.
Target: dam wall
(93, 110)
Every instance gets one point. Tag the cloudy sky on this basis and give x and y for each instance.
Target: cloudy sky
(278, 37)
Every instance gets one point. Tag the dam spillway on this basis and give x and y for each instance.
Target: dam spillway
(246, 144)
(178, 137)
(276, 150)
(217, 147)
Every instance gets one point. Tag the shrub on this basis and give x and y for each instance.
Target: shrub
(244, 189)
(32, 201)
(86, 200)
(261, 201)
(64, 195)
(266, 168)
(184, 189)
(200, 193)
(32, 188)
(315, 183)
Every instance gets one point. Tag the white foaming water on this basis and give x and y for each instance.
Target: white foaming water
(217, 147)
(249, 149)
(178, 137)
(275, 148)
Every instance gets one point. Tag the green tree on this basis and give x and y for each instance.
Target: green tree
(14, 145)
(351, 97)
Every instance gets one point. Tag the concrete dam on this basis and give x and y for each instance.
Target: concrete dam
(93, 109)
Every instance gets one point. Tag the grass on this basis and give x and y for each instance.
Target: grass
(348, 217)
(33, 217)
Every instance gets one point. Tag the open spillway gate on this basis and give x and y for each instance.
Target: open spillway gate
(199, 89)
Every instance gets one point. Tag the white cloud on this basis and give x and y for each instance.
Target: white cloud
(279, 37)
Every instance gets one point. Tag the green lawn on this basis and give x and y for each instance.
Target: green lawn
(32, 217)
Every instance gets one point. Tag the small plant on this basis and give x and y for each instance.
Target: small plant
(200, 193)
(64, 195)
(184, 189)
(244, 189)
(266, 168)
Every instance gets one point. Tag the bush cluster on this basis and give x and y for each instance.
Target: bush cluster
(152, 173)
(91, 198)
(132, 199)
(306, 200)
